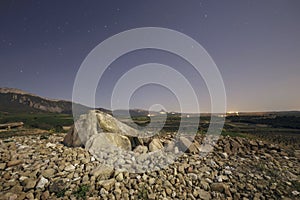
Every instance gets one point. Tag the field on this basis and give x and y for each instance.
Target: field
(281, 128)
(44, 121)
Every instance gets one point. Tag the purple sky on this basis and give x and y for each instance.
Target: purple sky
(255, 44)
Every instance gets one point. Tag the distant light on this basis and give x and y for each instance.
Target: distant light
(233, 112)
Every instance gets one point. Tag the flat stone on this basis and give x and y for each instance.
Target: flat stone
(152, 196)
(151, 181)
(14, 163)
(218, 187)
(102, 172)
(30, 184)
(2, 166)
(204, 195)
(48, 173)
(107, 184)
(70, 168)
(193, 176)
(295, 193)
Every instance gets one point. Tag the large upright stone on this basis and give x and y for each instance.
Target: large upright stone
(97, 122)
(110, 124)
(83, 129)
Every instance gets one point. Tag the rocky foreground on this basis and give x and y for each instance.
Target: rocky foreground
(37, 167)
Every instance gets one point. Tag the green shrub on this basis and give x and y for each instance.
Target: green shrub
(81, 191)
(61, 193)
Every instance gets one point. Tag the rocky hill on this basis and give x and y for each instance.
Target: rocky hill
(18, 101)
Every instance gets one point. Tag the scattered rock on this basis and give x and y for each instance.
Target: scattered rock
(107, 184)
(45, 195)
(186, 144)
(102, 172)
(72, 138)
(218, 187)
(42, 182)
(236, 169)
(152, 196)
(13, 163)
(204, 195)
(70, 168)
(295, 193)
(48, 173)
(30, 184)
(224, 155)
(155, 145)
(2, 166)
(119, 177)
(141, 149)
(151, 181)
(57, 186)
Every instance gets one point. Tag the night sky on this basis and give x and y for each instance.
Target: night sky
(255, 44)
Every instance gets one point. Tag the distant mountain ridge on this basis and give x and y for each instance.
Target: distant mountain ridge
(14, 101)
(6, 90)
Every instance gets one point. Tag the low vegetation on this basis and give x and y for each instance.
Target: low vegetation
(81, 192)
(282, 129)
(46, 121)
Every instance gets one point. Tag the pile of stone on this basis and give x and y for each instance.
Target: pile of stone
(115, 143)
(101, 129)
